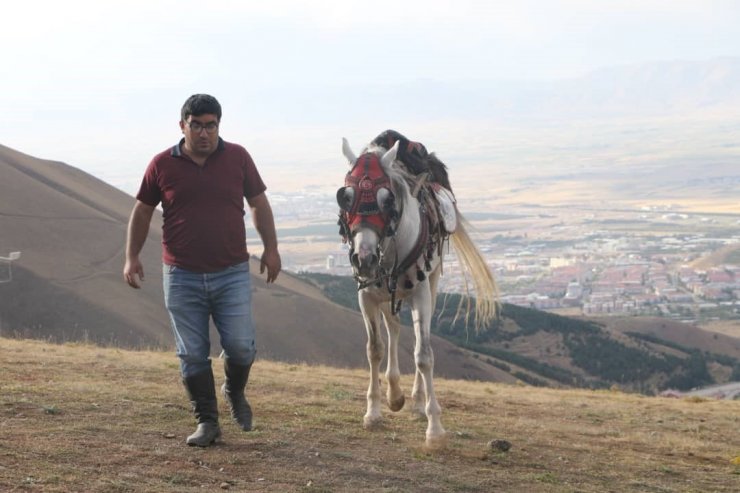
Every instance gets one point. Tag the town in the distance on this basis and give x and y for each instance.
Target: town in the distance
(650, 260)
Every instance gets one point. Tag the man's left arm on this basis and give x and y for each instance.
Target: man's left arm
(265, 225)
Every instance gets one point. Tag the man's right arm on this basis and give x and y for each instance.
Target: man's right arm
(138, 229)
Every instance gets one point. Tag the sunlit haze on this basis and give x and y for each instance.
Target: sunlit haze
(99, 84)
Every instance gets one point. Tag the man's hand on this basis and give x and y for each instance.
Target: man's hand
(265, 224)
(131, 269)
(138, 227)
(270, 260)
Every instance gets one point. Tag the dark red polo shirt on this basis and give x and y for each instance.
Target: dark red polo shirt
(203, 207)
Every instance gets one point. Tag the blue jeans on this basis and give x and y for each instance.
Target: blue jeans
(192, 298)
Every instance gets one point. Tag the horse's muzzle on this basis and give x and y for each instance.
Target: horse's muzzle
(364, 265)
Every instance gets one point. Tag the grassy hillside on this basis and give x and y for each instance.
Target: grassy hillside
(121, 428)
(545, 349)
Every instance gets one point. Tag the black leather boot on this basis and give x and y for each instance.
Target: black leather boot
(202, 393)
(233, 390)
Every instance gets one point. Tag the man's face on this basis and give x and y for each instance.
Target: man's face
(201, 134)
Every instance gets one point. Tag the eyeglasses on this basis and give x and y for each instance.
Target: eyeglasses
(196, 127)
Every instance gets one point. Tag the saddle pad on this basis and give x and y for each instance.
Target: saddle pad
(447, 211)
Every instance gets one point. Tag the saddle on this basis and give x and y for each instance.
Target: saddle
(431, 187)
(415, 156)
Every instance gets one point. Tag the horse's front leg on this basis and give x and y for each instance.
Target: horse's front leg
(371, 313)
(418, 397)
(421, 311)
(418, 394)
(394, 395)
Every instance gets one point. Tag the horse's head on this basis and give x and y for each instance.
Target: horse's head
(369, 209)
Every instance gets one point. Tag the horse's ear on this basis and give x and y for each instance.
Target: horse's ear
(348, 152)
(390, 156)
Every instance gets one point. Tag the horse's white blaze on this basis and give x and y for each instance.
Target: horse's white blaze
(366, 242)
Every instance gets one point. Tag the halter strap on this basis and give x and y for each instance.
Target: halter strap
(413, 256)
(419, 246)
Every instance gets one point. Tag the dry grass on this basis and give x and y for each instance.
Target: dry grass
(82, 418)
(727, 327)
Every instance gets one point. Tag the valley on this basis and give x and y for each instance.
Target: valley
(612, 216)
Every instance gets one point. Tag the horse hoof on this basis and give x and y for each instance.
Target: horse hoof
(435, 443)
(374, 423)
(397, 405)
(418, 415)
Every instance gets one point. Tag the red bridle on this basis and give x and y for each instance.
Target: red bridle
(366, 179)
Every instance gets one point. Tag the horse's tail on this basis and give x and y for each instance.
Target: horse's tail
(474, 265)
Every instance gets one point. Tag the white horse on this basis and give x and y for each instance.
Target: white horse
(396, 224)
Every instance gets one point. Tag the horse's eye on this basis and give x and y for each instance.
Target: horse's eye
(346, 198)
(386, 200)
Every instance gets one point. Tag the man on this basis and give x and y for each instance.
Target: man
(201, 183)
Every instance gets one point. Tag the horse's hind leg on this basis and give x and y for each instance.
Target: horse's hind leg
(394, 394)
(370, 312)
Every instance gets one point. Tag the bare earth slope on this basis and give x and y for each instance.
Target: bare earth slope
(67, 285)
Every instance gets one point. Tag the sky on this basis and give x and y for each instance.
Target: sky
(99, 85)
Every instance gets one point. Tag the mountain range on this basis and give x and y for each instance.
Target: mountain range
(659, 88)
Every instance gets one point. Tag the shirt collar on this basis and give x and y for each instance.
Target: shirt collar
(176, 150)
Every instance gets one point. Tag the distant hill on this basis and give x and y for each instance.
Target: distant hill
(544, 349)
(727, 255)
(70, 228)
(658, 88)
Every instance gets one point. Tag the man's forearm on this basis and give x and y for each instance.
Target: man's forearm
(138, 229)
(264, 222)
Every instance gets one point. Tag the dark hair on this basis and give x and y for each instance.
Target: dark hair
(200, 104)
